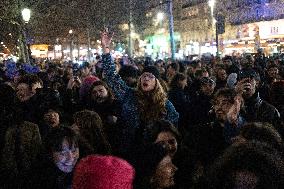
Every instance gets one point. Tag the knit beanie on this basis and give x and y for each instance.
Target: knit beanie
(103, 172)
(153, 70)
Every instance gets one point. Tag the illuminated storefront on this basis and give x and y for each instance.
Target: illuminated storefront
(39, 51)
(268, 35)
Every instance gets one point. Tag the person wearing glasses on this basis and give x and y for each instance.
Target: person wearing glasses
(140, 106)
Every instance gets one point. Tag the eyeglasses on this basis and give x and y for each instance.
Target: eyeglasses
(149, 75)
(221, 103)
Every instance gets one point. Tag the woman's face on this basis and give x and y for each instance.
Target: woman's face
(168, 139)
(164, 175)
(148, 81)
(66, 159)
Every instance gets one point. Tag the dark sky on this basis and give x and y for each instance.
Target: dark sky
(53, 18)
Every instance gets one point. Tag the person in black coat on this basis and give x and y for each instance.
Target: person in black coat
(200, 104)
(102, 101)
(207, 141)
(178, 97)
(256, 109)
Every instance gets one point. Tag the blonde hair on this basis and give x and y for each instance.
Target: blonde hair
(152, 105)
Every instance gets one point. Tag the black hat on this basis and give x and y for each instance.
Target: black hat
(247, 73)
(153, 70)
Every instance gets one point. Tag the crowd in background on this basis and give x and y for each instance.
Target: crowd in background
(145, 124)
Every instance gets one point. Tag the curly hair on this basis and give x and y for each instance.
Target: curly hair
(152, 105)
(91, 131)
(254, 157)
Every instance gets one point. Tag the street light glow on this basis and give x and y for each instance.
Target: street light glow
(26, 14)
(160, 16)
(211, 3)
(70, 31)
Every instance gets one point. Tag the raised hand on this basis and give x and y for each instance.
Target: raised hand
(233, 112)
(106, 39)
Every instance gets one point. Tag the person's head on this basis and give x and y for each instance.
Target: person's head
(247, 82)
(247, 61)
(223, 101)
(207, 86)
(262, 132)
(90, 127)
(222, 74)
(100, 92)
(154, 168)
(250, 165)
(179, 81)
(85, 69)
(273, 71)
(26, 87)
(201, 73)
(149, 78)
(173, 68)
(103, 172)
(164, 132)
(129, 74)
(51, 118)
(62, 147)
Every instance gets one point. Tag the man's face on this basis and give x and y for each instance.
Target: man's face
(273, 72)
(85, 72)
(247, 86)
(168, 139)
(222, 105)
(171, 71)
(207, 88)
(222, 75)
(100, 94)
(24, 92)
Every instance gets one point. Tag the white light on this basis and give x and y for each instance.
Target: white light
(160, 16)
(2, 43)
(211, 3)
(70, 31)
(26, 14)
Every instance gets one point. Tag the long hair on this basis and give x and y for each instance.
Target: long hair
(91, 131)
(152, 105)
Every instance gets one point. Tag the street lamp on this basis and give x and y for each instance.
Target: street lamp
(211, 4)
(71, 44)
(160, 16)
(26, 15)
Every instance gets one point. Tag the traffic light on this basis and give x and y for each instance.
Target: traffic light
(220, 24)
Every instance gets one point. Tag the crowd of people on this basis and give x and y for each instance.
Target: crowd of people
(144, 125)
